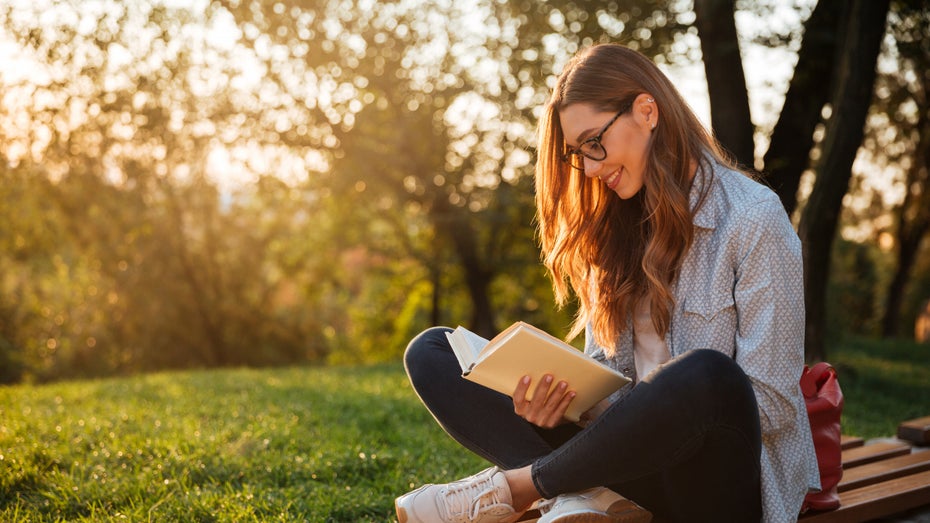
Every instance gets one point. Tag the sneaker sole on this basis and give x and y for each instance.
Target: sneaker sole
(622, 511)
(401, 514)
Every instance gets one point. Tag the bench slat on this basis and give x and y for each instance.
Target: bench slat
(916, 431)
(884, 470)
(874, 501)
(848, 442)
(857, 456)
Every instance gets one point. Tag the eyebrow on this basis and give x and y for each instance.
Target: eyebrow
(586, 134)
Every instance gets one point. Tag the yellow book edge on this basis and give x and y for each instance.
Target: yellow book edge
(525, 350)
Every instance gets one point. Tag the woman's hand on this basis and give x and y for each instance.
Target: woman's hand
(546, 406)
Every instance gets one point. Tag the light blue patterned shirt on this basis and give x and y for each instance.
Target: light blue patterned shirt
(740, 291)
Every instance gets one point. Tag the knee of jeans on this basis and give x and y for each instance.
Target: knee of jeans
(424, 345)
(711, 361)
(724, 369)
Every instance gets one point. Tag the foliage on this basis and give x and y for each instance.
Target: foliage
(905, 103)
(149, 262)
(457, 175)
(292, 444)
(265, 182)
(851, 295)
(373, 164)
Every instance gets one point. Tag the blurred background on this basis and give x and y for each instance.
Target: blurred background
(192, 184)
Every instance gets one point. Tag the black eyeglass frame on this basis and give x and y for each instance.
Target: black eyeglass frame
(594, 141)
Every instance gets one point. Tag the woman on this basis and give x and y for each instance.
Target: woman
(688, 277)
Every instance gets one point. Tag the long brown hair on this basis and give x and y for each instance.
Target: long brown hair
(611, 252)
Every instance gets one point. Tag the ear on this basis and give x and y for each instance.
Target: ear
(646, 112)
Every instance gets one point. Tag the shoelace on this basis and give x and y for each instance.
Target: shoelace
(546, 505)
(469, 497)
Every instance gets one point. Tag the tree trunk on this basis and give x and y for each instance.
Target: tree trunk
(214, 352)
(913, 223)
(789, 149)
(726, 83)
(907, 253)
(454, 226)
(855, 81)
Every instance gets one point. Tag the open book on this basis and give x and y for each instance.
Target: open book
(524, 350)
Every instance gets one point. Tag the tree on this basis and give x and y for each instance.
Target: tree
(913, 224)
(792, 139)
(155, 264)
(390, 164)
(432, 127)
(856, 42)
(908, 113)
(27, 234)
(723, 65)
(852, 97)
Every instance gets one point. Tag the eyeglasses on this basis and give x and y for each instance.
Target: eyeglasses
(592, 147)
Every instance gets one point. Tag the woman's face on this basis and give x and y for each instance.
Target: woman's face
(625, 141)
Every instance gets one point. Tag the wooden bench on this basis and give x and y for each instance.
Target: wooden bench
(880, 479)
(883, 478)
(917, 431)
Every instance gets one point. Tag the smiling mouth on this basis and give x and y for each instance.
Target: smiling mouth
(612, 179)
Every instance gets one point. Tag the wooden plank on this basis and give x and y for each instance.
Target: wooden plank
(857, 456)
(849, 442)
(857, 477)
(878, 500)
(916, 431)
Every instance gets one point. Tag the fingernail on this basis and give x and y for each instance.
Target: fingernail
(526, 380)
(548, 379)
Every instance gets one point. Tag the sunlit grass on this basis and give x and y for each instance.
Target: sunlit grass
(315, 444)
(297, 444)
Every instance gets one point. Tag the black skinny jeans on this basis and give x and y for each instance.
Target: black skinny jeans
(684, 443)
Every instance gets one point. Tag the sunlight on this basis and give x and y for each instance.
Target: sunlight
(223, 61)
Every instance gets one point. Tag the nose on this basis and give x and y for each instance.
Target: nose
(591, 167)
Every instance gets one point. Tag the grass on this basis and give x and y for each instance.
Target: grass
(302, 444)
(297, 444)
(883, 384)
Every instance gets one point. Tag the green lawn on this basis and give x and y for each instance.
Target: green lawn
(298, 444)
(883, 384)
(302, 444)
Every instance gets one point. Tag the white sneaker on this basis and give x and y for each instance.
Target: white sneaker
(482, 498)
(597, 505)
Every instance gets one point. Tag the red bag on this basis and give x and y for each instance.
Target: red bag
(824, 401)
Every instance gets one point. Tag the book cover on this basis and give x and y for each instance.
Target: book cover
(524, 350)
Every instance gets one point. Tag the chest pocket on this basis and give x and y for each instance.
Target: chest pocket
(708, 322)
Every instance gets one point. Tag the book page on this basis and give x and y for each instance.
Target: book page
(467, 346)
(477, 343)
